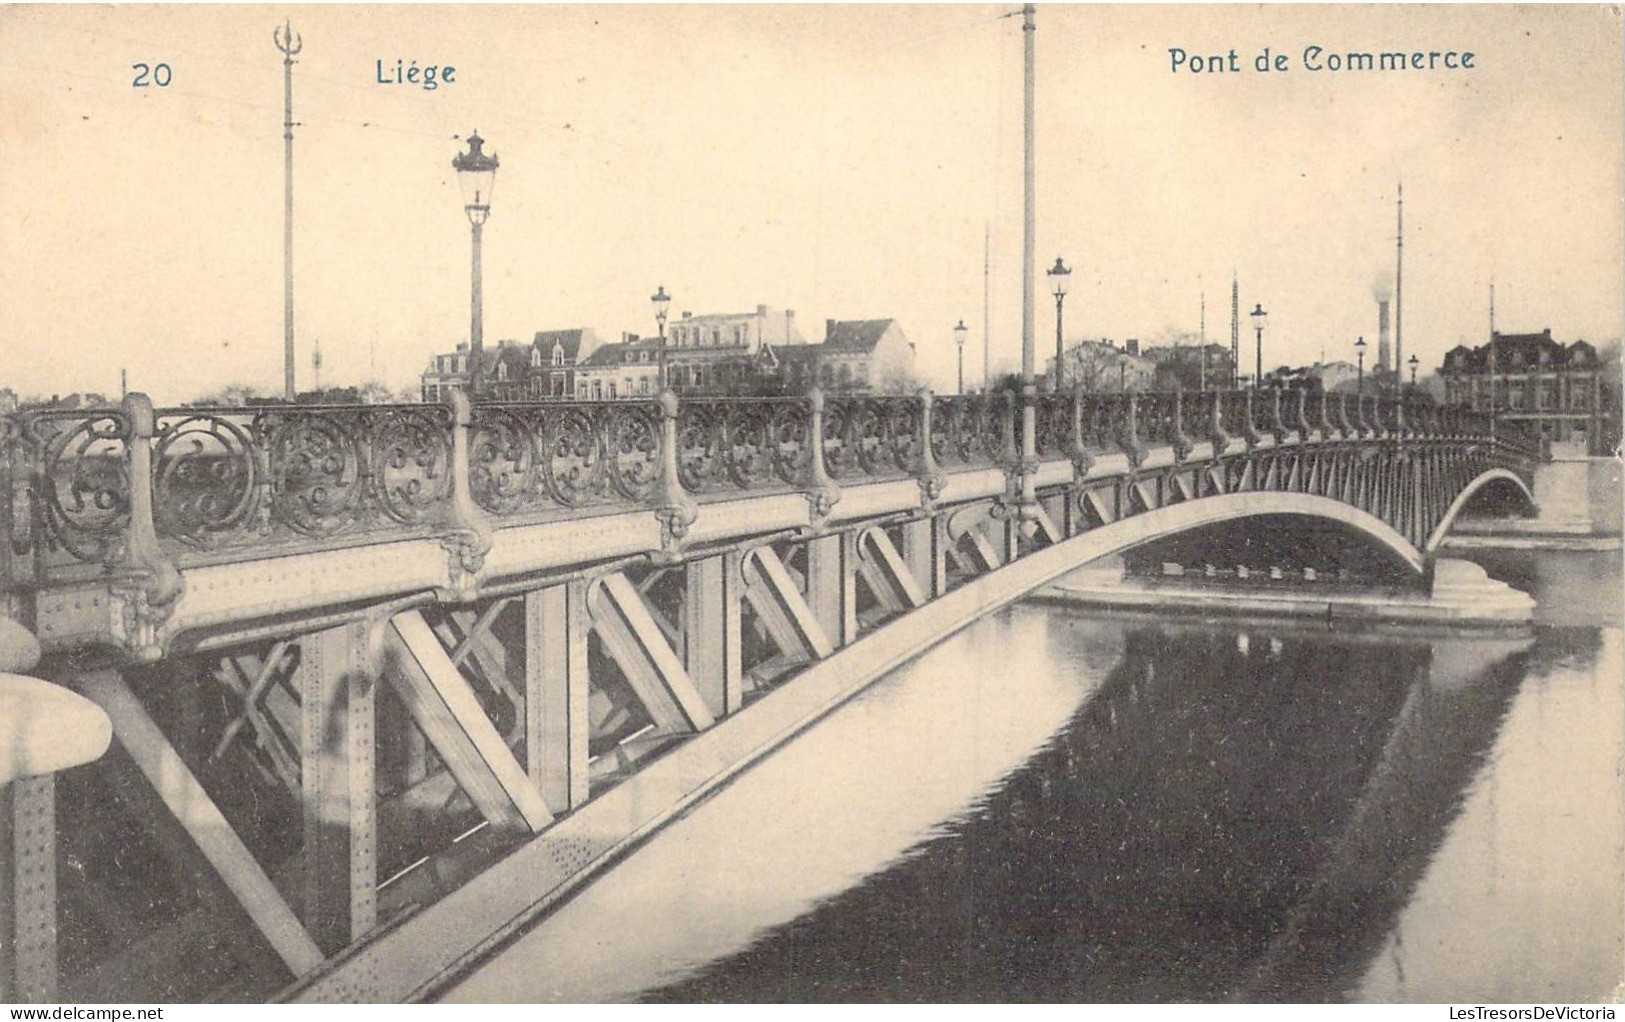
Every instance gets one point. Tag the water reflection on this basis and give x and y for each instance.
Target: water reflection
(1523, 901)
(848, 798)
(1057, 807)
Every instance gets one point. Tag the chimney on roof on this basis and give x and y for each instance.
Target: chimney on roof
(628, 336)
(462, 346)
(1132, 346)
(761, 310)
(687, 314)
(829, 329)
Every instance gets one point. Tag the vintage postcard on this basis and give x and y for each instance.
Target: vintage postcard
(812, 503)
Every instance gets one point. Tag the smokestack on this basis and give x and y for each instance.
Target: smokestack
(1383, 352)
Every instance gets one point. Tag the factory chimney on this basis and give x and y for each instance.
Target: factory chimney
(1383, 352)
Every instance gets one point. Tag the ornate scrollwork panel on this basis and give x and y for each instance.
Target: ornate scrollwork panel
(206, 478)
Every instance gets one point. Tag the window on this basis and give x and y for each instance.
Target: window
(598, 390)
(536, 357)
(716, 335)
(612, 390)
(558, 353)
(558, 386)
(502, 371)
(643, 385)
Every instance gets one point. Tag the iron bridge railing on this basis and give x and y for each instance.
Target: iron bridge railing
(88, 491)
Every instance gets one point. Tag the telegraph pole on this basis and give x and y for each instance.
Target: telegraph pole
(1201, 336)
(987, 261)
(1492, 353)
(1399, 285)
(1029, 388)
(289, 43)
(1235, 332)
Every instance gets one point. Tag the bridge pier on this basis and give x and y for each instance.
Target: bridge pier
(924, 547)
(832, 582)
(713, 632)
(28, 890)
(558, 685)
(338, 775)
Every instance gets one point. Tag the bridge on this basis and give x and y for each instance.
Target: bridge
(384, 683)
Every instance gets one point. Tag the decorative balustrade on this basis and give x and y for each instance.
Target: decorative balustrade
(969, 432)
(68, 498)
(225, 480)
(564, 456)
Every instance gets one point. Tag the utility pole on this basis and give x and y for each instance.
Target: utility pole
(289, 43)
(1201, 336)
(1399, 285)
(1029, 387)
(987, 262)
(1492, 350)
(1235, 332)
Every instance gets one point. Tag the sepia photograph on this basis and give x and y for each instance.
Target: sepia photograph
(812, 503)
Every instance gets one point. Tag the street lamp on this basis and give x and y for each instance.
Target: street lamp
(959, 340)
(476, 173)
(1058, 276)
(1359, 381)
(661, 301)
(1258, 315)
(1412, 362)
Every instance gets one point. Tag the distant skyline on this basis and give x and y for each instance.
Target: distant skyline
(838, 161)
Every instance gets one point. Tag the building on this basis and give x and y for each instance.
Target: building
(541, 370)
(554, 356)
(625, 369)
(1563, 392)
(447, 372)
(1182, 366)
(727, 353)
(1102, 367)
(761, 353)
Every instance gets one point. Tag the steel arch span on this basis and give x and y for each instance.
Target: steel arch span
(1494, 476)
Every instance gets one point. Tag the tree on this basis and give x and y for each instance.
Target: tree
(234, 395)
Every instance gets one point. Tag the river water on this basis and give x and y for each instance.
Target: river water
(1060, 805)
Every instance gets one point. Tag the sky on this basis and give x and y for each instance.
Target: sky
(841, 161)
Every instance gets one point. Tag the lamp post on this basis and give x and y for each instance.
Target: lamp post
(1258, 315)
(1059, 274)
(960, 331)
(1359, 380)
(661, 301)
(476, 172)
(1412, 362)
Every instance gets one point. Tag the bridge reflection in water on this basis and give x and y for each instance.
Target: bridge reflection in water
(1249, 811)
